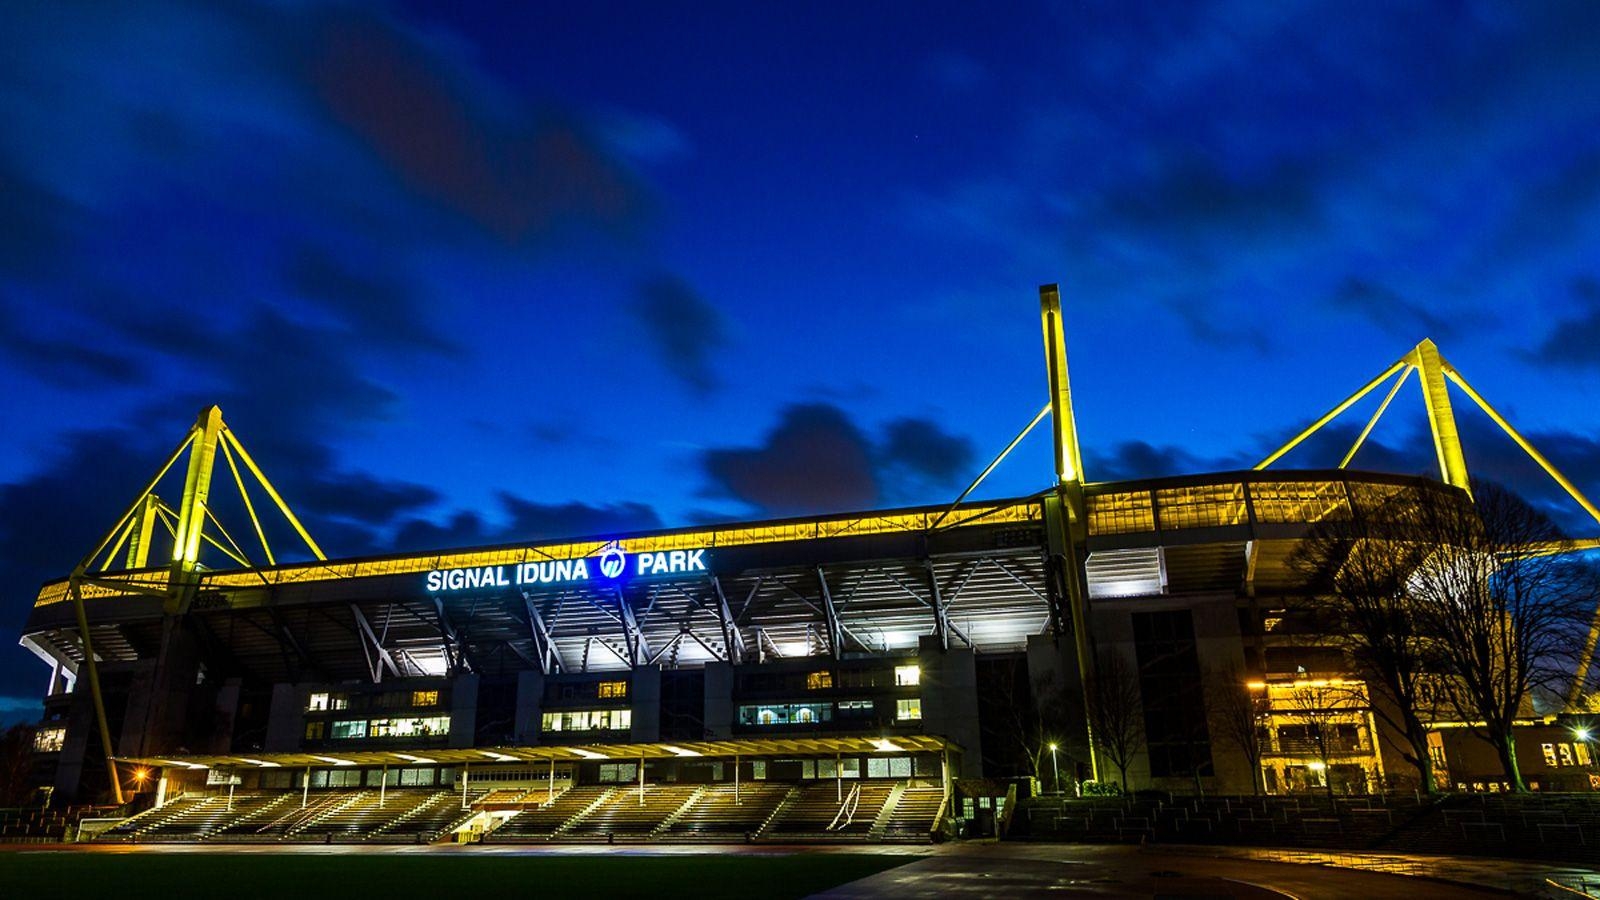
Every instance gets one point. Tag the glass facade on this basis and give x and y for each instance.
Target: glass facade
(588, 720)
(786, 714)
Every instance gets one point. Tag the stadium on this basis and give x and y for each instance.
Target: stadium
(892, 675)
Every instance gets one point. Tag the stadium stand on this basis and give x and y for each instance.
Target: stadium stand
(717, 815)
(541, 822)
(631, 813)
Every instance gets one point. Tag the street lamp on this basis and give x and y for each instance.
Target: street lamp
(1582, 734)
(1056, 768)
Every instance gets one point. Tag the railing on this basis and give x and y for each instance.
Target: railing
(847, 809)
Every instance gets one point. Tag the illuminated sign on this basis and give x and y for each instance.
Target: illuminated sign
(611, 564)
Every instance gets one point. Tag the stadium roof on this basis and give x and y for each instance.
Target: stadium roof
(555, 753)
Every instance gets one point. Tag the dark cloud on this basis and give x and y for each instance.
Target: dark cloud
(1575, 342)
(1387, 309)
(70, 361)
(375, 303)
(815, 460)
(1192, 193)
(51, 519)
(686, 330)
(361, 497)
(924, 450)
(818, 460)
(1132, 460)
(526, 520)
(34, 222)
(1216, 328)
(519, 176)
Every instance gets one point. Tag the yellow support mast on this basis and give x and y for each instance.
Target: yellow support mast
(1068, 527)
(1441, 417)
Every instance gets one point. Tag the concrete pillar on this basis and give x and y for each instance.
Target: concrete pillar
(645, 691)
(286, 717)
(530, 706)
(719, 700)
(949, 691)
(463, 711)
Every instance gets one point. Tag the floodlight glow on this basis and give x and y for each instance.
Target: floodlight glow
(587, 754)
(258, 762)
(1581, 734)
(884, 745)
(334, 760)
(498, 757)
(678, 751)
(416, 759)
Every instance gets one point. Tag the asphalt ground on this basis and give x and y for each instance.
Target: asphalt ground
(851, 872)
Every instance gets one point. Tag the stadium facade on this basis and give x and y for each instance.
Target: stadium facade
(896, 661)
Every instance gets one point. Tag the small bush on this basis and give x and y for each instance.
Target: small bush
(1101, 789)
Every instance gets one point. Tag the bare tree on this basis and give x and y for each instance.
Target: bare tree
(1238, 713)
(1032, 716)
(1321, 710)
(16, 765)
(1506, 611)
(1358, 571)
(1116, 718)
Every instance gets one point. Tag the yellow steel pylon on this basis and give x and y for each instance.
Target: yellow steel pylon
(1436, 374)
(135, 530)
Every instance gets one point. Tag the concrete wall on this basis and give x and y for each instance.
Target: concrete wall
(719, 709)
(286, 718)
(530, 706)
(463, 710)
(645, 692)
(949, 684)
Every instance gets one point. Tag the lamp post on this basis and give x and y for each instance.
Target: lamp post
(1582, 735)
(1056, 768)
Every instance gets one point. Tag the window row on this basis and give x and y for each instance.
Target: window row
(355, 729)
(588, 720)
(331, 701)
(906, 710)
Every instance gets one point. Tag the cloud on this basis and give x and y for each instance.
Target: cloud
(1574, 342)
(1387, 309)
(818, 460)
(518, 175)
(376, 303)
(526, 520)
(69, 361)
(685, 329)
(1134, 460)
(925, 451)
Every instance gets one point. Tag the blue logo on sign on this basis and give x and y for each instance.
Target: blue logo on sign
(612, 562)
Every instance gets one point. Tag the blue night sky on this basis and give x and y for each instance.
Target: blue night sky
(464, 273)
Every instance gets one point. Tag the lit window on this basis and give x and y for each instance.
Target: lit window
(613, 690)
(351, 728)
(49, 740)
(316, 731)
(1549, 754)
(588, 720)
(908, 710)
(1582, 752)
(410, 727)
(322, 702)
(819, 681)
(786, 714)
(1564, 752)
(907, 676)
(424, 698)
